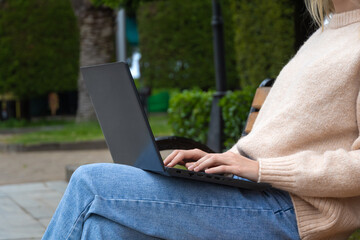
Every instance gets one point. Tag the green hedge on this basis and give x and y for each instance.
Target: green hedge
(176, 44)
(235, 109)
(129, 5)
(264, 38)
(189, 114)
(176, 40)
(39, 44)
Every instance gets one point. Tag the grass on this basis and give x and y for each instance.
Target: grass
(15, 123)
(75, 132)
(71, 132)
(159, 125)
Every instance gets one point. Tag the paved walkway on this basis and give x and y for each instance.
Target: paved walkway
(26, 209)
(45, 166)
(31, 186)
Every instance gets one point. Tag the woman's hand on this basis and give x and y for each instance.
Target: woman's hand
(215, 163)
(184, 157)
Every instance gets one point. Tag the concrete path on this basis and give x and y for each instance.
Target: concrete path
(26, 209)
(31, 186)
(45, 166)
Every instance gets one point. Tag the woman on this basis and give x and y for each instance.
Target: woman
(305, 143)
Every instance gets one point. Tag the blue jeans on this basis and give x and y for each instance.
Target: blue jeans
(112, 201)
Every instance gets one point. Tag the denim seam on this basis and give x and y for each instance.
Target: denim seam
(78, 218)
(284, 210)
(181, 203)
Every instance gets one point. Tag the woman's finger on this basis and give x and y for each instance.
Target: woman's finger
(185, 155)
(201, 161)
(222, 169)
(189, 164)
(209, 163)
(179, 157)
(170, 157)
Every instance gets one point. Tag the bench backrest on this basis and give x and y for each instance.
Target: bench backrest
(261, 93)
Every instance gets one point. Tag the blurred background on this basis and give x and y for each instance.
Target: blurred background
(47, 123)
(168, 45)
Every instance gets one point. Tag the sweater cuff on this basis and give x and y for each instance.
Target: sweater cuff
(279, 172)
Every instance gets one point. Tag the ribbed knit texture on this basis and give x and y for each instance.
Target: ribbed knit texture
(306, 136)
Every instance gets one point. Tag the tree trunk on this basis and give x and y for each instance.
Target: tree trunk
(97, 26)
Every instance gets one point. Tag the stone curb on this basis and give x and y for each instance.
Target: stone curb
(68, 146)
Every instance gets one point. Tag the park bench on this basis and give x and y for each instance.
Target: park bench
(173, 142)
(170, 143)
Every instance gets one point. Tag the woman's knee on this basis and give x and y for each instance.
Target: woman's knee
(88, 172)
(100, 172)
(103, 179)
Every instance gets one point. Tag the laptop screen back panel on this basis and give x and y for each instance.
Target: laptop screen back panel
(122, 119)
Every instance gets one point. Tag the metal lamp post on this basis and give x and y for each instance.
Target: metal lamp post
(215, 134)
(121, 35)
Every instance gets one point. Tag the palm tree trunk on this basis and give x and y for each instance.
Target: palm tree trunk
(97, 26)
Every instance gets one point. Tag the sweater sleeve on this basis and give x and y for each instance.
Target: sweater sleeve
(307, 173)
(334, 173)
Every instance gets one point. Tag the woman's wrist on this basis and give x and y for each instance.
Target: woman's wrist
(251, 171)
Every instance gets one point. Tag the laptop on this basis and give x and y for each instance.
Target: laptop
(126, 128)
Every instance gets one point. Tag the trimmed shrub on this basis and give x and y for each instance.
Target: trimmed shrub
(264, 38)
(235, 109)
(176, 44)
(189, 114)
(39, 47)
(129, 5)
(176, 40)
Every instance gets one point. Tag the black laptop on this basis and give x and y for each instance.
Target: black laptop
(126, 128)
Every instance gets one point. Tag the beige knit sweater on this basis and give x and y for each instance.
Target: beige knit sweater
(306, 136)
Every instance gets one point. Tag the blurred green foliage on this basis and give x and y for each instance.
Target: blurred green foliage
(189, 114)
(235, 109)
(130, 5)
(176, 42)
(39, 47)
(177, 47)
(264, 38)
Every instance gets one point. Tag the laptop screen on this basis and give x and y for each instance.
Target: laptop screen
(121, 116)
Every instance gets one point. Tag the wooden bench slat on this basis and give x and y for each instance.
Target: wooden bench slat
(260, 96)
(250, 121)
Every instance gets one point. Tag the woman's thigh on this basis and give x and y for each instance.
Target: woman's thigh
(97, 227)
(174, 208)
